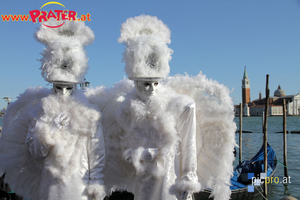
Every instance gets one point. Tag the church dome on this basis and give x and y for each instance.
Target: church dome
(279, 92)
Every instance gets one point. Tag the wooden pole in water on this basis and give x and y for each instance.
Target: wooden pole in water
(240, 135)
(284, 140)
(266, 134)
(263, 121)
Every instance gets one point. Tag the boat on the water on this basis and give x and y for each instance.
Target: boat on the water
(241, 188)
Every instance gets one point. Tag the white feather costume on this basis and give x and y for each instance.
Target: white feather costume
(190, 121)
(215, 130)
(75, 155)
(67, 164)
(167, 122)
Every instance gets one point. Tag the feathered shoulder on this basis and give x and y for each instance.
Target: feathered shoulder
(31, 96)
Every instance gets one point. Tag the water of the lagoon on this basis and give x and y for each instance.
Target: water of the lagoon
(253, 141)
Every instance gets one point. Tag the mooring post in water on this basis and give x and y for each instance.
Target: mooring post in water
(240, 135)
(266, 134)
(263, 120)
(284, 140)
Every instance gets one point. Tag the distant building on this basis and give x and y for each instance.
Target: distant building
(245, 95)
(245, 88)
(257, 106)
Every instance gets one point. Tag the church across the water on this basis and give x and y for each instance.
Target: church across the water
(257, 106)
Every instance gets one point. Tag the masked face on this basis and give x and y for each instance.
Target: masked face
(63, 89)
(146, 89)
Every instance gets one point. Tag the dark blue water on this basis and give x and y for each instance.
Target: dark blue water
(253, 141)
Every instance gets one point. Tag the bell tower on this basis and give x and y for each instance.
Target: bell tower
(245, 88)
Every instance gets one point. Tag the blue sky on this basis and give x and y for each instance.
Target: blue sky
(216, 37)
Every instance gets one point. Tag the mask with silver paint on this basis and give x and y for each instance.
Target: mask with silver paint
(146, 89)
(63, 89)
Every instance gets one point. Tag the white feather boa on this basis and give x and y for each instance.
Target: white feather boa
(69, 142)
(151, 124)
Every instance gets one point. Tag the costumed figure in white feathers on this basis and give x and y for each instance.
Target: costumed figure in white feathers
(174, 136)
(52, 145)
(159, 125)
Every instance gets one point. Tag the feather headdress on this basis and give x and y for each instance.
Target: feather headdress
(147, 55)
(64, 58)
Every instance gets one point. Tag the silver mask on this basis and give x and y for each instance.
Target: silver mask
(63, 89)
(146, 89)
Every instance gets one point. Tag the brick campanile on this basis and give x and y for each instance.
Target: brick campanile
(245, 88)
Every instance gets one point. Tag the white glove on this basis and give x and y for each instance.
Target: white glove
(96, 190)
(149, 154)
(186, 195)
(59, 122)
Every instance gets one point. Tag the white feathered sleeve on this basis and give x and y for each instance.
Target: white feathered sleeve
(188, 155)
(96, 155)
